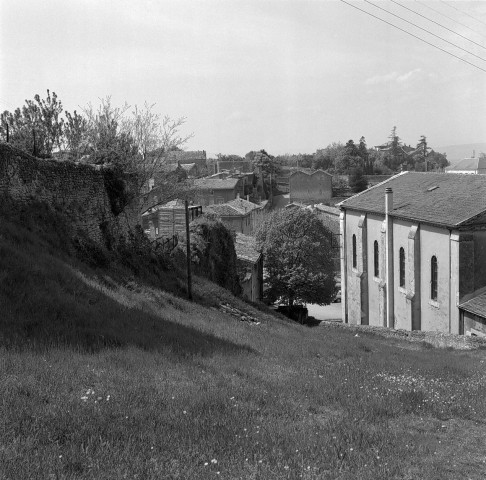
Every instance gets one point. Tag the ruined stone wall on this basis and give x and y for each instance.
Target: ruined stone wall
(78, 191)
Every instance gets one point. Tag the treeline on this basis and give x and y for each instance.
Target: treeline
(347, 159)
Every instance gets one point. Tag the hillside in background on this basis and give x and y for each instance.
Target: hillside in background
(106, 371)
(458, 152)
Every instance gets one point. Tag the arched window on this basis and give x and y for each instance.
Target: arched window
(355, 263)
(376, 259)
(402, 267)
(433, 278)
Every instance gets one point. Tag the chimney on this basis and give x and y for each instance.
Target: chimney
(238, 195)
(248, 198)
(390, 309)
(388, 200)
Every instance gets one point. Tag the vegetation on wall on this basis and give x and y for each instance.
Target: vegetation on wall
(213, 252)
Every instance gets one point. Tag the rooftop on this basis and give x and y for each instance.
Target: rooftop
(436, 198)
(216, 183)
(476, 306)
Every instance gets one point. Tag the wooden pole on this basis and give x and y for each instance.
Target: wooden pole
(188, 253)
(8, 136)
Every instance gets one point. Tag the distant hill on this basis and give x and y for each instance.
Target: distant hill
(458, 152)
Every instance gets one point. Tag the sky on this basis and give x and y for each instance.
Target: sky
(289, 76)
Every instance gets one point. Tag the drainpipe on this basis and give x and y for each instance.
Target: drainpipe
(390, 311)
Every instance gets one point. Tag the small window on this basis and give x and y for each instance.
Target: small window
(355, 263)
(433, 278)
(376, 259)
(402, 267)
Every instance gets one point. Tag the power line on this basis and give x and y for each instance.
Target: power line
(453, 19)
(462, 11)
(415, 36)
(426, 31)
(437, 23)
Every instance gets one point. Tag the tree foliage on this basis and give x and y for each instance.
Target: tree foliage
(37, 127)
(297, 254)
(357, 181)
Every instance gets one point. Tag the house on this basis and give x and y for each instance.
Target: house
(165, 221)
(239, 215)
(218, 190)
(250, 267)
(413, 253)
(308, 188)
(469, 166)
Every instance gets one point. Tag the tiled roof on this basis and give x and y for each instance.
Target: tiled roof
(245, 247)
(476, 306)
(178, 203)
(216, 183)
(436, 198)
(242, 205)
(327, 209)
(223, 209)
(187, 166)
(468, 164)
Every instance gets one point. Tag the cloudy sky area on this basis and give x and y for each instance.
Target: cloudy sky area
(288, 76)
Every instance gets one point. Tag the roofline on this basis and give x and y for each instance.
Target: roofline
(340, 204)
(310, 174)
(449, 226)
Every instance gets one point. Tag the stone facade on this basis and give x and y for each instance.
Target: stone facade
(78, 191)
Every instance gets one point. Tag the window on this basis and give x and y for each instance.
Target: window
(402, 267)
(354, 252)
(376, 258)
(433, 278)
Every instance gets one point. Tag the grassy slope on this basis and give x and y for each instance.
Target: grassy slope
(102, 376)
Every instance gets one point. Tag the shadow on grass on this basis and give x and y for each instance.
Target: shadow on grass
(312, 322)
(44, 304)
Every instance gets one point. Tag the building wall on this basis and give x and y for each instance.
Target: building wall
(356, 285)
(461, 257)
(435, 314)
(252, 287)
(375, 284)
(313, 188)
(474, 325)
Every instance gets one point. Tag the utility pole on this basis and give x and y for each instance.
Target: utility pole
(188, 253)
(7, 133)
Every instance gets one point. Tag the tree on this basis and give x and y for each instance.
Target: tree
(36, 128)
(76, 134)
(357, 181)
(297, 254)
(364, 154)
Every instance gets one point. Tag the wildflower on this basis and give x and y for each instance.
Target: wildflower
(205, 464)
(214, 461)
(184, 412)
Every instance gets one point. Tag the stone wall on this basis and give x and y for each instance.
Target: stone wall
(77, 190)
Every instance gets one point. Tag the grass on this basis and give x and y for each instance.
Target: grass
(105, 376)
